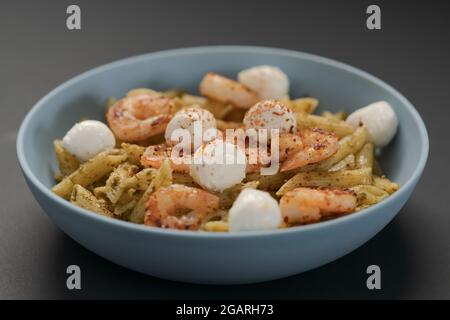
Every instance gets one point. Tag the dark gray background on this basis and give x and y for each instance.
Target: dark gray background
(411, 53)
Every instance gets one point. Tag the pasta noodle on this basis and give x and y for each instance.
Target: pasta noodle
(163, 178)
(341, 128)
(338, 179)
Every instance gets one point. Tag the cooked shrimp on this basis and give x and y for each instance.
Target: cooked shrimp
(179, 207)
(137, 118)
(306, 205)
(318, 145)
(226, 90)
(289, 144)
(253, 167)
(155, 155)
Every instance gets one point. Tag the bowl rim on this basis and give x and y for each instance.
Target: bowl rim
(20, 143)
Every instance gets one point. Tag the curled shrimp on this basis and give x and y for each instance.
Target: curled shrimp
(306, 205)
(226, 90)
(155, 155)
(139, 117)
(179, 207)
(317, 145)
(289, 144)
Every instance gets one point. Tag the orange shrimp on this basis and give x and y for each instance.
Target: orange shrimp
(317, 145)
(226, 90)
(155, 155)
(307, 205)
(179, 207)
(137, 118)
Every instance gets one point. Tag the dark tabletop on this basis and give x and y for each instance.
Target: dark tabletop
(411, 52)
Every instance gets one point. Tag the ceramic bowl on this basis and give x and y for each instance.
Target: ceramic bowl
(215, 258)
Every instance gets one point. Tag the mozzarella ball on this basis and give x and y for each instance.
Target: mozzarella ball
(254, 210)
(195, 121)
(218, 165)
(270, 114)
(268, 81)
(88, 138)
(380, 120)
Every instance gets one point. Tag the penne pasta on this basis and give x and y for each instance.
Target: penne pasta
(339, 179)
(270, 182)
(367, 195)
(219, 110)
(142, 179)
(216, 226)
(67, 162)
(146, 91)
(338, 116)
(63, 188)
(364, 157)
(173, 93)
(116, 184)
(377, 168)
(86, 200)
(302, 105)
(90, 171)
(347, 163)
(309, 121)
(163, 178)
(126, 203)
(100, 192)
(134, 152)
(385, 184)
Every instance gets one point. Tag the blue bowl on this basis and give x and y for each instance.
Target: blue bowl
(210, 258)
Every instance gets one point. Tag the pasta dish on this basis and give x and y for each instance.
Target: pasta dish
(241, 156)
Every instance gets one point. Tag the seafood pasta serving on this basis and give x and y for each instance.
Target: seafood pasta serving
(242, 156)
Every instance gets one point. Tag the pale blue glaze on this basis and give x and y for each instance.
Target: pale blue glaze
(201, 257)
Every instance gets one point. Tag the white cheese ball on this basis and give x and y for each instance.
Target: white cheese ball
(254, 210)
(268, 81)
(218, 165)
(88, 138)
(380, 120)
(270, 114)
(191, 119)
